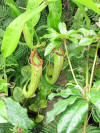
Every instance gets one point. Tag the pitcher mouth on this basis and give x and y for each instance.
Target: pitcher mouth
(63, 52)
(34, 53)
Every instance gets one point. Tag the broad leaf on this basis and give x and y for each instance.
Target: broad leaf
(59, 107)
(3, 113)
(13, 31)
(94, 97)
(17, 115)
(18, 94)
(73, 117)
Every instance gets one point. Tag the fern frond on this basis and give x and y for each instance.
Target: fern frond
(51, 128)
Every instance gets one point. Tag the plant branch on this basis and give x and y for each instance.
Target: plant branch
(82, 91)
(92, 73)
(85, 123)
(39, 45)
(87, 73)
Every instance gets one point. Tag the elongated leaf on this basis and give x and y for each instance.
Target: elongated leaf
(86, 41)
(93, 129)
(28, 29)
(17, 115)
(55, 10)
(3, 113)
(88, 3)
(86, 32)
(90, 129)
(13, 31)
(15, 10)
(50, 47)
(85, 15)
(59, 107)
(65, 93)
(72, 117)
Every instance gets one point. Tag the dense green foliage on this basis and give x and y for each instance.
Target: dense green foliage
(49, 66)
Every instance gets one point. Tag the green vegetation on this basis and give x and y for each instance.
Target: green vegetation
(49, 66)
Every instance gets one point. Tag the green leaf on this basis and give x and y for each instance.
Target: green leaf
(5, 128)
(18, 94)
(96, 115)
(88, 3)
(3, 113)
(53, 35)
(39, 118)
(13, 31)
(96, 85)
(93, 129)
(86, 41)
(1, 32)
(59, 107)
(62, 28)
(72, 117)
(65, 93)
(3, 86)
(17, 115)
(15, 10)
(94, 97)
(50, 47)
(86, 32)
(28, 29)
(55, 10)
(85, 15)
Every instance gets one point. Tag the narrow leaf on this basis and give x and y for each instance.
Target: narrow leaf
(13, 31)
(88, 3)
(86, 41)
(65, 93)
(55, 10)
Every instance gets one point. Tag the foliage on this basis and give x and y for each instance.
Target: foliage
(55, 88)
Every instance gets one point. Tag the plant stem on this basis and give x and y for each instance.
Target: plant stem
(92, 73)
(4, 70)
(85, 123)
(71, 67)
(39, 45)
(87, 73)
